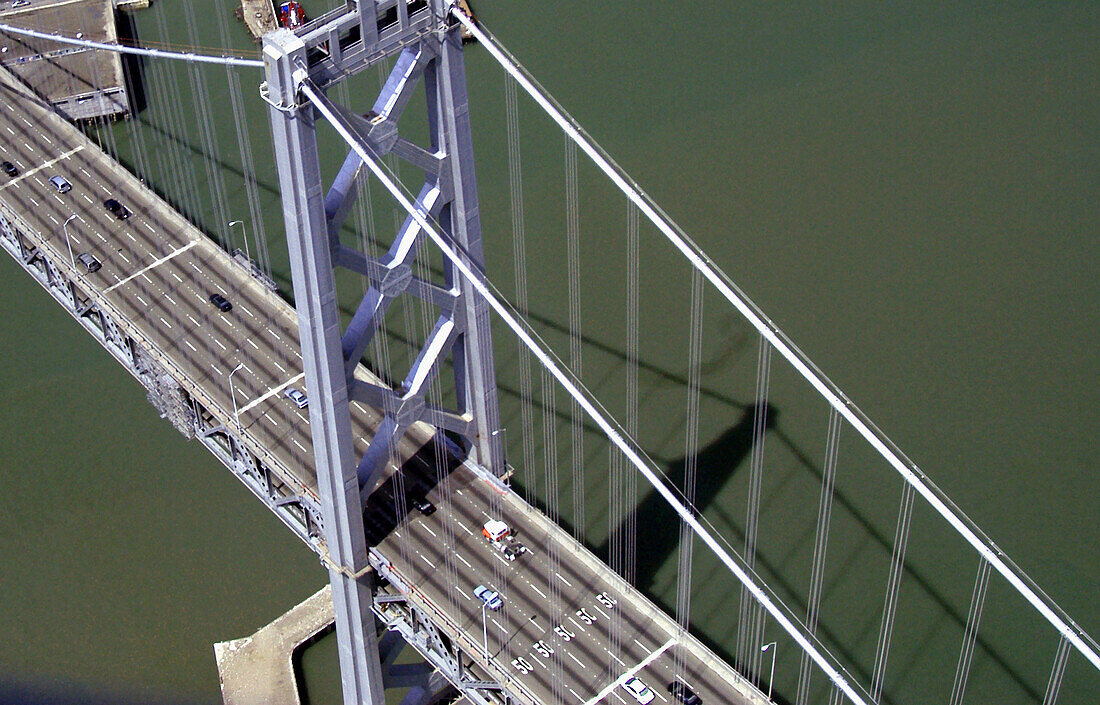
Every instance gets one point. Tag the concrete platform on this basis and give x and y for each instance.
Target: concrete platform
(258, 670)
(81, 83)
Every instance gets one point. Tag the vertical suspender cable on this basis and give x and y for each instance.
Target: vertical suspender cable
(691, 461)
(573, 257)
(893, 583)
(519, 270)
(970, 636)
(748, 650)
(821, 542)
(1057, 672)
(633, 259)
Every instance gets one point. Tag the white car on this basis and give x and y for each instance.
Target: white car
(300, 400)
(639, 690)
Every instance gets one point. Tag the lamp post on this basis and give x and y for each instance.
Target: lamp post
(244, 235)
(484, 631)
(65, 227)
(233, 397)
(771, 676)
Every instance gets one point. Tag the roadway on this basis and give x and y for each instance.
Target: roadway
(570, 630)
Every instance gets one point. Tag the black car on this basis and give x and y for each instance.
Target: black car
(424, 506)
(9, 168)
(221, 302)
(117, 209)
(89, 262)
(683, 694)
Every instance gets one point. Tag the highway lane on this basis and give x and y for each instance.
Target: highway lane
(555, 628)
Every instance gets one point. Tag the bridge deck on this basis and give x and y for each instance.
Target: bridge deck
(569, 625)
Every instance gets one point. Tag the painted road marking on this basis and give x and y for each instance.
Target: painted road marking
(271, 392)
(630, 673)
(162, 260)
(42, 166)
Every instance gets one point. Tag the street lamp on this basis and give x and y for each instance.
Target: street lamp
(65, 227)
(771, 677)
(484, 631)
(233, 397)
(244, 235)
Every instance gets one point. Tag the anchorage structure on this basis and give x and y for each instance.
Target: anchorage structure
(322, 54)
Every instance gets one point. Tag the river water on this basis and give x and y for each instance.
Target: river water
(910, 191)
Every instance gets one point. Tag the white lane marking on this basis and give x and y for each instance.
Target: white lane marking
(177, 277)
(41, 166)
(425, 559)
(459, 557)
(55, 220)
(85, 197)
(220, 345)
(276, 335)
(434, 534)
(538, 591)
(192, 319)
(281, 368)
(575, 660)
(268, 417)
(463, 592)
(630, 673)
(247, 311)
(249, 341)
(10, 131)
(563, 580)
(171, 300)
(127, 262)
(166, 323)
(143, 301)
(270, 393)
(463, 527)
(300, 446)
(215, 368)
(188, 344)
(162, 260)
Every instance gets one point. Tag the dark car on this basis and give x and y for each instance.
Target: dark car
(221, 302)
(117, 209)
(9, 168)
(424, 506)
(683, 694)
(89, 262)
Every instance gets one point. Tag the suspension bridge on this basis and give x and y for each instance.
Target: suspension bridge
(383, 433)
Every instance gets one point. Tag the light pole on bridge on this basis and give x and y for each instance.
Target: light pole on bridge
(65, 228)
(244, 235)
(771, 677)
(233, 397)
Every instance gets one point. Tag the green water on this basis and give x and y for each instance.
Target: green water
(909, 191)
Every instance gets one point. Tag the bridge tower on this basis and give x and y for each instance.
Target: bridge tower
(325, 52)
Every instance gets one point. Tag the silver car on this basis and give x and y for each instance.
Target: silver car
(297, 396)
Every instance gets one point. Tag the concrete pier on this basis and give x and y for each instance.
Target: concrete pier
(81, 83)
(258, 670)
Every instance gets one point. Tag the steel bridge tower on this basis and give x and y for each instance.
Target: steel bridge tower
(325, 52)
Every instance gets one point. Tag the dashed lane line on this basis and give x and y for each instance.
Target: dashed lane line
(41, 166)
(160, 261)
